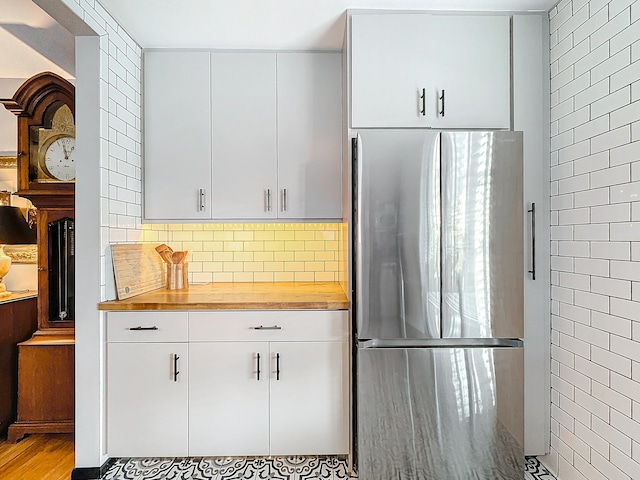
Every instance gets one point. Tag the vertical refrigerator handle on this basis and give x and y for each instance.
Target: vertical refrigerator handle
(532, 211)
(356, 158)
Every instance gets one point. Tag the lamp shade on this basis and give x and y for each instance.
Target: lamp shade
(14, 229)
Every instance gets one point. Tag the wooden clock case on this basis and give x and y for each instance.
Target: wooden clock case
(46, 361)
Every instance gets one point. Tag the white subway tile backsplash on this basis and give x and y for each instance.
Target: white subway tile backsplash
(612, 324)
(611, 139)
(589, 95)
(570, 121)
(610, 176)
(625, 308)
(611, 250)
(576, 85)
(611, 66)
(625, 76)
(589, 198)
(627, 114)
(591, 163)
(617, 7)
(574, 184)
(573, 216)
(625, 154)
(588, 266)
(578, 51)
(563, 108)
(627, 231)
(625, 270)
(592, 301)
(598, 232)
(611, 103)
(592, 128)
(611, 397)
(573, 152)
(611, 287)
(609, 30)
(620, 212)
(564, 170)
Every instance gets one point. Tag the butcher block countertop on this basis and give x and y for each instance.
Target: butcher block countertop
(239, 296)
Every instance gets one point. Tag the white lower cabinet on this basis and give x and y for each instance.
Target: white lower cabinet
(242, 383)
(229, 399)
(147, 399)
(308, 398)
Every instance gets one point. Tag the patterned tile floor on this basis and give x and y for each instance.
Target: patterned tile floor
(277, 468)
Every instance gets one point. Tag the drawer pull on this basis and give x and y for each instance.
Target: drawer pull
(274, 327)
(258, 366)
(141, 329)
(277, 366)
(176, 372)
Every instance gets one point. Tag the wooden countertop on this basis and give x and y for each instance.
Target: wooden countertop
(239, 296)
(13, 297)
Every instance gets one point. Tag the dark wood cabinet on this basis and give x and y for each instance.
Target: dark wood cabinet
(18, 321)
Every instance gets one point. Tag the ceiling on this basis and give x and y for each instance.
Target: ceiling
(31, 42)
(268, 24)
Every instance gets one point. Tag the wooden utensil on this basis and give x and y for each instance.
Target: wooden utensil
(166, 256)
(162, 247)
(178, 257)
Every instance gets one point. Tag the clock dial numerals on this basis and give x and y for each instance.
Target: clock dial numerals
(60, 160)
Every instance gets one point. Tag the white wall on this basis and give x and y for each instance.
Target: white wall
(108, 189)
(595, 248)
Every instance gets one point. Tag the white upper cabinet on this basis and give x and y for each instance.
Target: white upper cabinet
(177, 135)
(242, 135)
(243, 96)
(309, 135)
(426, 70)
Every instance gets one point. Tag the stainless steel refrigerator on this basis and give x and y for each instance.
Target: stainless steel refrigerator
(439, 276)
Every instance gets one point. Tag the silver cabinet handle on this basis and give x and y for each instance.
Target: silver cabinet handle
(176, 372)
(201, 200)
(423, 97)
(268, 199)
(277, 366)
(258, 366)
(533, 241)
(274, 327)
(284, 200)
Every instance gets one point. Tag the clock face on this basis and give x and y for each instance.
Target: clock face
(60, 160)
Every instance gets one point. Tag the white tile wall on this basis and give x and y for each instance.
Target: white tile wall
(121, 148)
(595, 218)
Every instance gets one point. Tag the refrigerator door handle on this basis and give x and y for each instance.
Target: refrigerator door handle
(441, 343)
(532, 211)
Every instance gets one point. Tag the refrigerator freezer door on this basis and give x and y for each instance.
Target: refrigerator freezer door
(446, 413)
(397, 235)
(482, 235)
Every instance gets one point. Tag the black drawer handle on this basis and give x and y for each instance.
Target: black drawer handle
(274, 327)
(176, 372)
(142, 329)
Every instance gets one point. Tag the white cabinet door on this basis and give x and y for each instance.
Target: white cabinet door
(147, 399)
(177, 136)
(395, 56)
(309, 413)
(229, 398)
(389, 70)
(471, 59)
(243, 93)
(309, 87)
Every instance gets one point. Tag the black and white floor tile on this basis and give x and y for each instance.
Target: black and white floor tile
(276, 468)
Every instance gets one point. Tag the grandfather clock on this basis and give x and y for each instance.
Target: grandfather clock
(45, 107)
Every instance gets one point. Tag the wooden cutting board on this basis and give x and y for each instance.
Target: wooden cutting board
(137, 269)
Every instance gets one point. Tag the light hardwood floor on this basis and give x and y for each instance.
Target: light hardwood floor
(38, 457)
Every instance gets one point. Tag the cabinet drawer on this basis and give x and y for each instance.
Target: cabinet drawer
(271, 325)
(147, 326)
